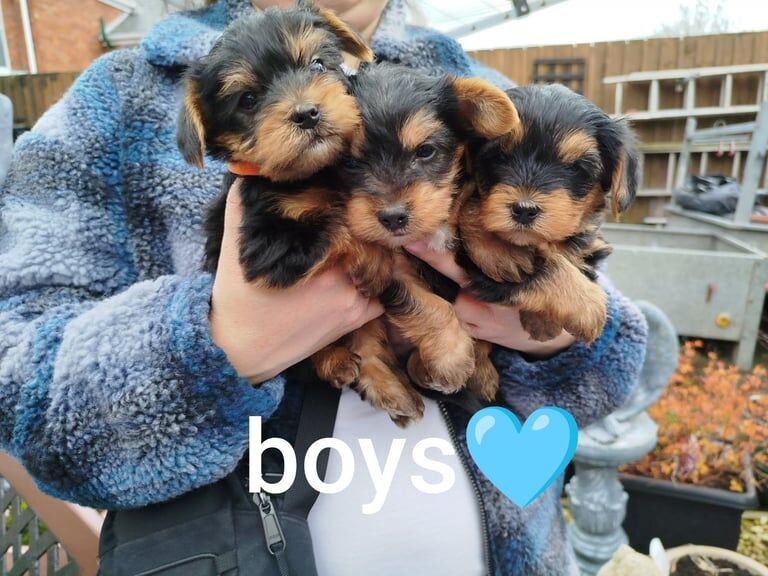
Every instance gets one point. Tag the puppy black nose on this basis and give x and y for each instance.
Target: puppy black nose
(525, 213)
(393, 219)
(306, 116)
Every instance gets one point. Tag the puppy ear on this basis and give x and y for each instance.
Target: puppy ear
(487, 109)
(190, 132)
(351, 41)
(625, 174)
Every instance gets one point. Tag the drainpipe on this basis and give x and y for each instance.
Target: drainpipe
(25, 23)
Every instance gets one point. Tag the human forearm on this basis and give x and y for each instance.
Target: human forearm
(125, 401)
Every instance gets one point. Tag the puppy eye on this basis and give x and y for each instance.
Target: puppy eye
(425, 151)
(317, 65)
(248, 101)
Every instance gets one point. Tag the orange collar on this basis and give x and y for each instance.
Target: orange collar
(244, 168)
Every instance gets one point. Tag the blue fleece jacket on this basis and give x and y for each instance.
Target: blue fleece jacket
(112, 393)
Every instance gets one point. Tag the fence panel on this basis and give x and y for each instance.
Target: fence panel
(33, 94)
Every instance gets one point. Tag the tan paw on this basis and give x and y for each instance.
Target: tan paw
(445, 366)
(337, 365)
(484, 382)
(588, 319)
(538, 327)
(390, 390)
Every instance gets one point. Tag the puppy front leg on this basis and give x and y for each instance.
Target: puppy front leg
(484, 381)
(445, 349)
(381, 381)
(341, 363)
(564, 295)
(370, 267)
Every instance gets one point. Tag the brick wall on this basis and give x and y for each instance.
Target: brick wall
(65, 33)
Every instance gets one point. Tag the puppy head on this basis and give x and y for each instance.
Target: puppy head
(552, 178)
(404, 172)
(272, 92)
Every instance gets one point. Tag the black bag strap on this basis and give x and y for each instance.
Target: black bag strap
(317, 420)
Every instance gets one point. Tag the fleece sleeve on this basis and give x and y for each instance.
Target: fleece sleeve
(112, 392)
(588, 381)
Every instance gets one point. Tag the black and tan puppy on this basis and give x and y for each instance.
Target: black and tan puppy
(530, 233)
(405, 178)
(272, 100)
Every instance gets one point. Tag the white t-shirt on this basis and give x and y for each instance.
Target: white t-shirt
(413, 532)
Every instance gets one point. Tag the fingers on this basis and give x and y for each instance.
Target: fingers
(364, 309)
(335, 292)
(477, 315)
(233, 216)
(442, 262)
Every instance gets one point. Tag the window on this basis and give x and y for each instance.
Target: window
(567, 71)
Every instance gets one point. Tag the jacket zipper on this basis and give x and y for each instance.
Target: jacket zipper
(475, 487)
(273, 532)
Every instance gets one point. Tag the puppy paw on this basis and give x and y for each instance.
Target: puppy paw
(446, 365)
(389, 389)
(538, 327)
(337, 365)
(589, 315)
(484, 382)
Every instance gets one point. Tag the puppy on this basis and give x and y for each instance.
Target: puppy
(405, 177)
(530, 233)
(272, 100)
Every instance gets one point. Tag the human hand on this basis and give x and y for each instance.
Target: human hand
(265, 330)
(493, 323)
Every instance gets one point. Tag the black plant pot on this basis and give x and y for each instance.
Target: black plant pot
(682, 514)
(762, 490)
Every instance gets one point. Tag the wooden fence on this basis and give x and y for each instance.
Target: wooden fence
(34, 94)
(617, 58)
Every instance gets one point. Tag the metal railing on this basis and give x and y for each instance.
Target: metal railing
(40, 535)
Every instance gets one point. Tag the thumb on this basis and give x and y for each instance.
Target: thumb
(443, 262)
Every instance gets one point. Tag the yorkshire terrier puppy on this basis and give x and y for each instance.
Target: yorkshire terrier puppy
(530, 232)
(273, 101)
(405, 176)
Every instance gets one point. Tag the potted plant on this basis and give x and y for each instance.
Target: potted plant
(760, 457)
(709, 561)
(693, 487)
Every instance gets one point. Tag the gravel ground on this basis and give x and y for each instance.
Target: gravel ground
(754, 536)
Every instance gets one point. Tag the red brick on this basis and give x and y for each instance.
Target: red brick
(65, 33)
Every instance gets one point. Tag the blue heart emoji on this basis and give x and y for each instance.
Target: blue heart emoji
(522, 461)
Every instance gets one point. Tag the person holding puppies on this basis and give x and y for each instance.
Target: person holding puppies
(127, 374)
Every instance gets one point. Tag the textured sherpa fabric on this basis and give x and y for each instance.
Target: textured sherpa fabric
(111, 391)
